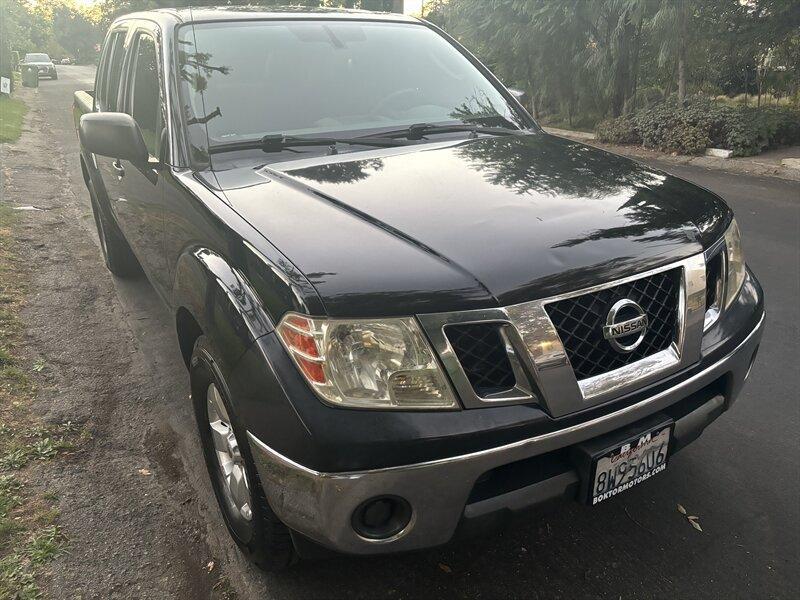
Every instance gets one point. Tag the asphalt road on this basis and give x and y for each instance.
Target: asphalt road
(741, 478)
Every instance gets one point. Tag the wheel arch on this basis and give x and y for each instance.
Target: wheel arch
(213, 298)
(188, 330)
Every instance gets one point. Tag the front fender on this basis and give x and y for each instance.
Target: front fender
(222, 301)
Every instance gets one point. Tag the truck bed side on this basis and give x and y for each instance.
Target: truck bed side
(83, 102)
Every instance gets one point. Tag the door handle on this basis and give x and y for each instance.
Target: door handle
(118, 168)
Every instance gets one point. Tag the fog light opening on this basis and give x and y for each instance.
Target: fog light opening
(381, 517)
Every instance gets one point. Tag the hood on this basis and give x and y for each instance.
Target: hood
(470, 224)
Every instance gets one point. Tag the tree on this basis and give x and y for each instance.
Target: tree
(12, 32)
(75, 32)
(580, 60)
(568, 53)
(674, 26)
(54, 26)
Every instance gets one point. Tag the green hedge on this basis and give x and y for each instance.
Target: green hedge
(703, 124)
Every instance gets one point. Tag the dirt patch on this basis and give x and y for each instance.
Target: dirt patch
(127, 511)
(163, 450)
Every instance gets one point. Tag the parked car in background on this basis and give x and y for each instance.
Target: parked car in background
(42, 62)
(407, 312)
(66, 60)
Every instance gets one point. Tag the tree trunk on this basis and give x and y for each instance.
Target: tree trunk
(622, 71)
(570, 108)
(682, 43)
(759, 85)
(531, 88)
(746, 78)
(637, 41)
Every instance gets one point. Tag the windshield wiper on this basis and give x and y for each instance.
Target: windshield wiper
(276, 143)
(419, 130)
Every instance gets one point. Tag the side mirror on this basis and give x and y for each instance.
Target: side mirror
(520, 95)
(113, 134)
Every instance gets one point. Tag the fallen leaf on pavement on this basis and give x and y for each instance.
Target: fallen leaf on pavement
(445, 568)
(693, 519)
(210, 566)
(144, 472)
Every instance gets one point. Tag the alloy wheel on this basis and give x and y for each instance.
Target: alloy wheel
(235, 486)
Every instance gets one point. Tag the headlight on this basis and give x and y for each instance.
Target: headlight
(381, 363)
(736, 265)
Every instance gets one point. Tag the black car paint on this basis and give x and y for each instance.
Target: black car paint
(448, 225)
(470, 223)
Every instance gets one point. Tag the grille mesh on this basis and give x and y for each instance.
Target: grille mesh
(482, 355)
(579, 322)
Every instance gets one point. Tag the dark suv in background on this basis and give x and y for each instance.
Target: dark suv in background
(43, 64)
(407, 312)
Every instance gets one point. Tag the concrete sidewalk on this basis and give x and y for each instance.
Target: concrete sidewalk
(781, 162)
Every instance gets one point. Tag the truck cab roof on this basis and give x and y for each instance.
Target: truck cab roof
(245, 13)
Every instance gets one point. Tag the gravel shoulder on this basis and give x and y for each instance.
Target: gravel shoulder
(127, 508)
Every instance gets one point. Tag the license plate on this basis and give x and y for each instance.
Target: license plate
(630, 463)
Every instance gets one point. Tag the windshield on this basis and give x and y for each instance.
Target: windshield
(244, 80)
(37, 58)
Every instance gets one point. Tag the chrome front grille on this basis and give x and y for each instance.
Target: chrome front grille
(579, 322)
(552, 352)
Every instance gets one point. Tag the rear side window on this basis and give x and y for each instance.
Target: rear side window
(100, 79)
(110, 85)
(146, 99)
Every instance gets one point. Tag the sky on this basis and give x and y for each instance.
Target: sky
(412, 7)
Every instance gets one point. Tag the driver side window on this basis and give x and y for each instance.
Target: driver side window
(145, 100)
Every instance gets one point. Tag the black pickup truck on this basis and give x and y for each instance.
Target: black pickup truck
(407, 312)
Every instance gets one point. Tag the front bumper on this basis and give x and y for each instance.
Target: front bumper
(441, 492)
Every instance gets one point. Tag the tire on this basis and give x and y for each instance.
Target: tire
(117, 254)
(263, 538)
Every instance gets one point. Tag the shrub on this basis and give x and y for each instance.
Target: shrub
(671, 129)
(689, 130)
(621, 130)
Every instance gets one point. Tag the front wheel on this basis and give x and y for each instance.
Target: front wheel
(249, 519)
